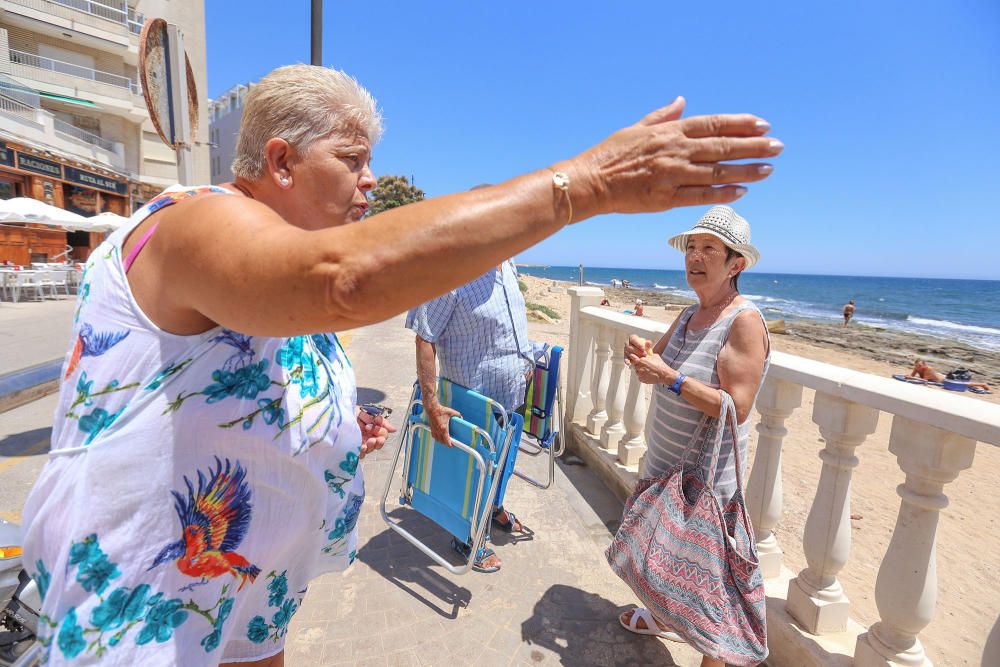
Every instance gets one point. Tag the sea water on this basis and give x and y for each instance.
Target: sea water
(962, 310)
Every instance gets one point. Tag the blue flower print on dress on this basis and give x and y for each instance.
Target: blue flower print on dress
(272, 411)
(211, 642)
(277, 590)
(94, 570)
(350, 464)
(258, 629)
(70, 640)
(95, 422)
(83, 389)
(121, 607)
(161, 619)
(294, 356)
(43, 578)
(243, 383)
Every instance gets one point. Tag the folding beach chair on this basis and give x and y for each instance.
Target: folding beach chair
(543, 415)
(454, 486)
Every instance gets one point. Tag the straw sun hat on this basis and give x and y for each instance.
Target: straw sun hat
(725, 224)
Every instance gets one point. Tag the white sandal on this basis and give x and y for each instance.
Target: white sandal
(652, 628)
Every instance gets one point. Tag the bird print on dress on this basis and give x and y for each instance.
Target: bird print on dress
(91, 344)
(214, 520)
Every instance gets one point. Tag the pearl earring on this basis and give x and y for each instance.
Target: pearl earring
(284, 181)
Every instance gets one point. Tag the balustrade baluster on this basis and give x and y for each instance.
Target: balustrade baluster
(614, 428)
(815, 597)
(777, 400)
(633, 446)
(906, 587)
(602, 378)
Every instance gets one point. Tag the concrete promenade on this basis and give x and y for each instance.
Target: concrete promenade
(554, 602)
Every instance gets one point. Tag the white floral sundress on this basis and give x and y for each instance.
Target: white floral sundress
(196, 484)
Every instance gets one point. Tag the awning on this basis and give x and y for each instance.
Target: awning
(67, 99)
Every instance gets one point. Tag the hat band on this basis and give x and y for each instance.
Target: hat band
(721, 230)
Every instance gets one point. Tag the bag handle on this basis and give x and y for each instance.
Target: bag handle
(727, 416)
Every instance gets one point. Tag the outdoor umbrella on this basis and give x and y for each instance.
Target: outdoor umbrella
(106, 222)
(25, 209)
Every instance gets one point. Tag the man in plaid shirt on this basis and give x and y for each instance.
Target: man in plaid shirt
(478, 333)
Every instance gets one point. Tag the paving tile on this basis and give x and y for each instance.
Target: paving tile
(363, 648)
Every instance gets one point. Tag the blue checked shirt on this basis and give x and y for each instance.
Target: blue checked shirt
(480, 333)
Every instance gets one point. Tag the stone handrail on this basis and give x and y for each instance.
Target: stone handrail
(933, 443)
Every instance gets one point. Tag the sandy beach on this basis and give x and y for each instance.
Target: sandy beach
(968, 549)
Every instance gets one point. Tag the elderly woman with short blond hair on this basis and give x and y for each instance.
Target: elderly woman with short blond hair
(205, 454)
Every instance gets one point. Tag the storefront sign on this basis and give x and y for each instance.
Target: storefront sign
(95, 181)
(6, 155)
(39, 166)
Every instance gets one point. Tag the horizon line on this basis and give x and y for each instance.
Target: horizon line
(769, 273)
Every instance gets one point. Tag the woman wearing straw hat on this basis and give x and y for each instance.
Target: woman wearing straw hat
(720, 343)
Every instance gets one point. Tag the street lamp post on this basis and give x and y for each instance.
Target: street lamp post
(317, 32)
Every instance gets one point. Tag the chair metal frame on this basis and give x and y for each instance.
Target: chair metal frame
(480, 518)
(555, 449)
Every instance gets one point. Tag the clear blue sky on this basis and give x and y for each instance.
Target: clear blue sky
(890, 111)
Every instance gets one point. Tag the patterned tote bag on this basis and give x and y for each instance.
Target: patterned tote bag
(691, 561)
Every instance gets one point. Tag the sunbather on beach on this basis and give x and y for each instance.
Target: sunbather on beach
(924, 371)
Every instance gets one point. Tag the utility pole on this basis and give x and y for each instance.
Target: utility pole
(317, 32)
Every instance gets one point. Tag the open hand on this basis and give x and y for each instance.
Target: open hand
(664, 161)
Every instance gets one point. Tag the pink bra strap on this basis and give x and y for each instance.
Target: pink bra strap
(137, 248)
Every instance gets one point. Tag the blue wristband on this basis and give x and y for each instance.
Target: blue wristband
(676, 386)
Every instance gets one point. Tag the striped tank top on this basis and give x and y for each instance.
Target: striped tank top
(672, 421)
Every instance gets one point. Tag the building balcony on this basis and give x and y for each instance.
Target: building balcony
(23, 119)
(109, 23)
(114, 93)
(932, 439)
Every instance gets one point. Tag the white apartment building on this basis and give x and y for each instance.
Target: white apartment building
(224, 115)
(74, 130)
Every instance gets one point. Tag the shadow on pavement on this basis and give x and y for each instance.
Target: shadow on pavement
(369, 395)
(582, 629)
(26, 443)
(407, 568)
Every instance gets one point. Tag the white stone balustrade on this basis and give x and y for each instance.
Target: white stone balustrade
(605, 421)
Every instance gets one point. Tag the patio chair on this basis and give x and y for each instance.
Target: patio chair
(543, 415)
(60, 278)
(47, 280)
(27, 280)
(454, 486)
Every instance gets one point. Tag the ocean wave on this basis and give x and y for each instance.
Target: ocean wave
(945, 324)
(658, 286)
(593, 284)
(768, 299)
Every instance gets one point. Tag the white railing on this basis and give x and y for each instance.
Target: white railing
(40, 62)
(14, 107)
(83, 135)
(114, 12)
(933, 444)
